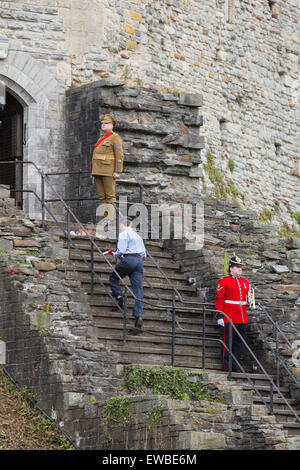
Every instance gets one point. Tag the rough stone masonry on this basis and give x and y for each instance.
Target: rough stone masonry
(52, 348)
(243, 57)
(161, 141)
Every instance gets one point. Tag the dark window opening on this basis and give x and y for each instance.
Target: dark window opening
(277, 149)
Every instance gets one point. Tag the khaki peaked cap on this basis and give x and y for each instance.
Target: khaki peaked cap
(108, 118)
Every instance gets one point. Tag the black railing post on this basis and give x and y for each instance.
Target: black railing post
(125, 297)
(92, 267)
(141, 194)
(277, 356)
(117, 222)
(68, 229)
(17, 183)
(43, 199)
(203, 339)
(230, 350)
(271, 398)
(173, 331)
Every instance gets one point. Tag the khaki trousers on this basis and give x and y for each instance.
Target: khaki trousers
(106, 188)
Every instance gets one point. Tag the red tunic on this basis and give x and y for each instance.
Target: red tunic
(231, 298)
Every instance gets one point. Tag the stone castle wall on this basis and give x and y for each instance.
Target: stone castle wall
(243, 57)
(161, 141)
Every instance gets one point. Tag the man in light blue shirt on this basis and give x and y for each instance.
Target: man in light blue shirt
(131, 250)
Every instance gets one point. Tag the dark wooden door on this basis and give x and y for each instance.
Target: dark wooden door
(11, 146)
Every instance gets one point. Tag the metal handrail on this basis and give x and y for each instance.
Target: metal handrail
(67, 234)
(45, 207)
(261, 307)
(272, 384)
(168, 308)
(276, 352)
(142, 188)
(174, 335)
(174, 289)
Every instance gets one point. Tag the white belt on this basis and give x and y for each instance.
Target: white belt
(235, 302)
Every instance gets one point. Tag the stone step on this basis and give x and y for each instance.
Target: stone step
(83, 240)
(110, 331)
(163, 323)
(109, 317)
(153, 341)
(292, 428)
(161, 349)
(158, 335)
(105, 270)
(170, 265)
(258, 379)
(265, 389)
(134, 353)
(84, 243)
(278, 401)
(155, 311)
(287, 416)
(85, 246)
(281, 409)
(161, 334)
(190, 336)
(189, 306)
(149, 295)
(161, 287)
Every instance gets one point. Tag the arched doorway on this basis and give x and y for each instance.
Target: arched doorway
(11, 145)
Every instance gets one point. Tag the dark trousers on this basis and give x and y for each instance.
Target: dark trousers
(237, 345)
(133, 267)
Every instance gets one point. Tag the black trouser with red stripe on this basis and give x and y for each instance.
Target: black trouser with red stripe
(237, 345)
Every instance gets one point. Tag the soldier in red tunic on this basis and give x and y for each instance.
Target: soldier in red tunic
(231, 298)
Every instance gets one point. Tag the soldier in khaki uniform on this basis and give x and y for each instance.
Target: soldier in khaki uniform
(107, 161)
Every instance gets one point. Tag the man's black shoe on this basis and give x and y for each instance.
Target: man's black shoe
(120, 303)
(138, 326)
(138, 323)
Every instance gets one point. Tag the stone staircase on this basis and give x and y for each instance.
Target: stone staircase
(281, 411)
(153, 346)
